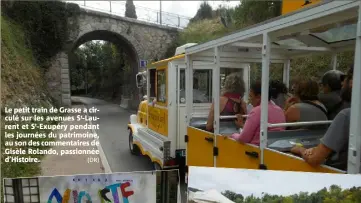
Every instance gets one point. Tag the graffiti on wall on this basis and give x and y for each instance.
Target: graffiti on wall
(79, 196)
(103, 188)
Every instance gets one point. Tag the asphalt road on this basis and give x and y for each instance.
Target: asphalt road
(113, 136)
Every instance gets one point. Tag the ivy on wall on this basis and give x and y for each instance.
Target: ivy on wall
(45, 24)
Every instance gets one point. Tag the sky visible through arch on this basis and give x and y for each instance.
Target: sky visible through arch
(248, 182)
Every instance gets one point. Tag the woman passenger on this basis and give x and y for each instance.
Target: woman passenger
(251, 128)
(231, 102)
(304, 106)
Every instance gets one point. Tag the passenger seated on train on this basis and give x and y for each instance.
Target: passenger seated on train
(282, 95)
(304, 106)
(198, 95)
(251, 128)
(335, 141)
(231, 102)
(278, 99)
(330, 96)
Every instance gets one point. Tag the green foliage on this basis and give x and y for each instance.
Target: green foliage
(45, 24)
(335, 194)
(205, 27)
(171, 49)
(252, 12)
(247, 14)
(204, 12)
(102, 67)
(21, 85)
(234, 196)
(130, 9)
(21, 80)
(200, 30)
(203, 31)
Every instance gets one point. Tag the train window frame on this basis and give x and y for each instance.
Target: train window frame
(158, 90)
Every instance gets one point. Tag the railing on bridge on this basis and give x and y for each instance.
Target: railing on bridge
(143, 13)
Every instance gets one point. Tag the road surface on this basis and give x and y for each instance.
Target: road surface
(113, 136)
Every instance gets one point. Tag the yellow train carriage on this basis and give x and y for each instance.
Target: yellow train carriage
(298, 34)
(158, 128)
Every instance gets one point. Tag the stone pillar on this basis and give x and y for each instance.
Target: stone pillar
(58, 79)
(65, 80)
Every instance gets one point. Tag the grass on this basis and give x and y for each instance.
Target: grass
(20, 77)
(21, 85)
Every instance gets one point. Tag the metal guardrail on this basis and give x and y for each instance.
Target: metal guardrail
(143, 13)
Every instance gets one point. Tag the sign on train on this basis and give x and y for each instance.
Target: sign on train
(100, 188)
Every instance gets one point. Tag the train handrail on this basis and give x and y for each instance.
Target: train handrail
(299, 124)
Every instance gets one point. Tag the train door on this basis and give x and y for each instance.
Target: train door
(232, 154)
(200, 142)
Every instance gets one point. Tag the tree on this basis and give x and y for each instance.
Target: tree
(252, 12)
(130, 9)
(233, 196)
(333, 195)
(99, 65)
(204, 12)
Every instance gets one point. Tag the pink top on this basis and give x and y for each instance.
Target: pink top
(251, 129)
(229, 107)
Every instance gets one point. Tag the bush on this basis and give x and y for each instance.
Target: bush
(22, 85)
(45, 25)
(202, 31)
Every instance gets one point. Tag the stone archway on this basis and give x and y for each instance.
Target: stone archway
(143, 40)
(120, 41)
(58, 76)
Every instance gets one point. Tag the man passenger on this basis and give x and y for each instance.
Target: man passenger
(335, 141)
(330, 95)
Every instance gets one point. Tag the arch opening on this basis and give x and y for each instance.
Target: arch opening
(103, 64)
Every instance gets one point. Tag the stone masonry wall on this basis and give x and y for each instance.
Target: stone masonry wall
(58, 79)
(150, 42)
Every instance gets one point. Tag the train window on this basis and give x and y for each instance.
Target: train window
(161, 86)
(202, 86)
(182, 86)
(152, 73)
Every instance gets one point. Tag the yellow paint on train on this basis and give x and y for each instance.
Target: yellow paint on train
(165, 61)
(232, 154)
(142, 113)
(280, 161)
(199, 148)
(158, 120)
(289, 6)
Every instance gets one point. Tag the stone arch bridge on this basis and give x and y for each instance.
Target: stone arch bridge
(141, 41)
